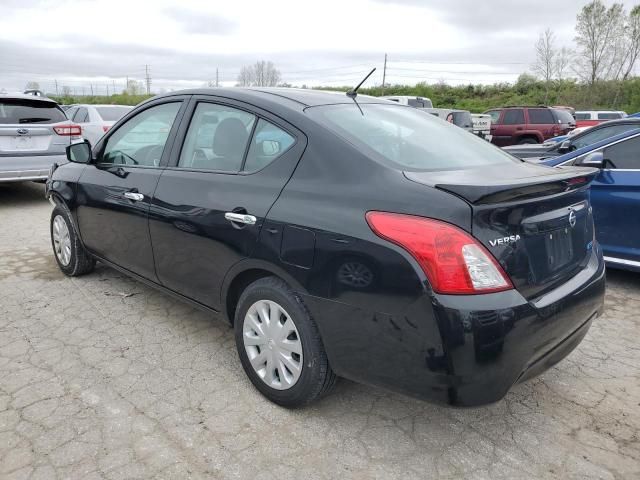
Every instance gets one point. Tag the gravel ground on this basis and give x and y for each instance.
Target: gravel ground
(103, 377)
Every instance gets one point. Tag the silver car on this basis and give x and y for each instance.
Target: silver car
(34, 133)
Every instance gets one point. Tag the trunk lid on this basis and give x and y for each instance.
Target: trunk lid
(535, 220)
(30, 139)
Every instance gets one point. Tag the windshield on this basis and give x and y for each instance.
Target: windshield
(18, 111)
(112, 114)
(564, 116)
(408, 138)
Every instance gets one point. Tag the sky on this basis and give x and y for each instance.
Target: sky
(98, 44)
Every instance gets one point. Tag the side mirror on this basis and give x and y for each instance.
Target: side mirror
(594, 159)
(270, 148)
(565, 146)
(79, 152)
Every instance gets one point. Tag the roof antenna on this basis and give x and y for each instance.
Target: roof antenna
(353, 93)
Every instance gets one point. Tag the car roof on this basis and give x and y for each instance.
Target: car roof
(98, 105)
(594, 146)
(26, 96)
(302, 96)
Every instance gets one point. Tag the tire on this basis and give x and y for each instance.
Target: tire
(71, 256)
(315, 377)
(527, 141)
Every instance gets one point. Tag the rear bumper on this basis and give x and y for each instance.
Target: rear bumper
(27, 168)
(461, 350)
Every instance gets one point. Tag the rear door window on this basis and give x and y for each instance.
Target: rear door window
(217, 138)
(22, 111)
(112, 114)
(514, 116)
(541, 116)
(583, 116)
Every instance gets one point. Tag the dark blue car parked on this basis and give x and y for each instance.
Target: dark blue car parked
(615, 195)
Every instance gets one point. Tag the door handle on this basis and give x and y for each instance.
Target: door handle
(240, 218)
(136, 197)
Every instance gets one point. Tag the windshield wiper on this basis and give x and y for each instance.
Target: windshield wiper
(33, 120)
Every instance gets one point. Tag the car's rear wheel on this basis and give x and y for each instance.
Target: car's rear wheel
(70, 254)
(527, 141)
(279, 344)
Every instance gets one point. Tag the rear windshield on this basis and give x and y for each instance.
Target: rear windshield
(112, 114)
(462, 119)
(408, 138)
(16, 111)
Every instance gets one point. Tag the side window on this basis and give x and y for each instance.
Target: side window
(583, 116)
(217, 138)
(81, 116)
(141, 140)
(268, 143)
(70, 112)
(624, 155)
(541, 116)
(513, 116)
(594, 136)
(495, 116)
(609, 115)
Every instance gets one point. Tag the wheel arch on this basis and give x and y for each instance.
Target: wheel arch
(241, 275)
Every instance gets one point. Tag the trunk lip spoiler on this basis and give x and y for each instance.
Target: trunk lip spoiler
(523, 188)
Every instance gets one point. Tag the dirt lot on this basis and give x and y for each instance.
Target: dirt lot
(102, 377)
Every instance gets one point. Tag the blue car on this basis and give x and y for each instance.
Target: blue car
(615, 194)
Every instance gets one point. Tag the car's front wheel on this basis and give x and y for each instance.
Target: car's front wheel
(70, 254)
(280, 346)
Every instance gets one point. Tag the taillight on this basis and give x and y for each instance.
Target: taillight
(68, 130)
(105, 128)
(453, 261)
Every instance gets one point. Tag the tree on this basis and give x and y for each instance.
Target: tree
(545, 64)
(562, 61)
(134, 87)
(261, 74)
(632, 41)
(598, 33)
(66, 91)
(32, 86)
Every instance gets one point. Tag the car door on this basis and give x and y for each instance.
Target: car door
(115, 190)
(615, 197)
(230, 165)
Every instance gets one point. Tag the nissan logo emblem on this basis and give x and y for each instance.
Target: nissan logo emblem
(22, 131)
(572, 218)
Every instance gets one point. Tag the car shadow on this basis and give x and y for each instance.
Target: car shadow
(21, 194)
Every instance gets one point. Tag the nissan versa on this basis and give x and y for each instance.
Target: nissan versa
(340, 235)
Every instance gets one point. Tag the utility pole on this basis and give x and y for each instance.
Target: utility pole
(148, 79)
(56, 87)
(113, 82)
(126, 85)
(91, 87)
(384, 73)
(217, 84)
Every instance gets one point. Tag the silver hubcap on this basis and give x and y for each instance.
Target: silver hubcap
(61, 240)
(273, 344)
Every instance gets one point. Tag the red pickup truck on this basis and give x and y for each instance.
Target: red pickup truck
(521, 125)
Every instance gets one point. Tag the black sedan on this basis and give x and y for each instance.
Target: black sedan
(542, 151)
(340, 236)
